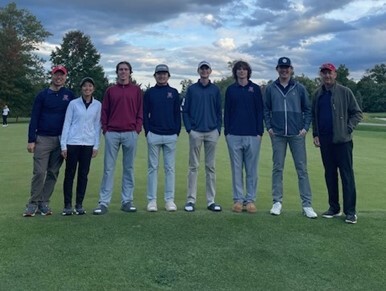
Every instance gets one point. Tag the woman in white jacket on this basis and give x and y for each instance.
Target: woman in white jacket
(79, 143)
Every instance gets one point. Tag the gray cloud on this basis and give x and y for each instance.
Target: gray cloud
(259, 17)
(274, 5)
(323, 7)
(148, 32)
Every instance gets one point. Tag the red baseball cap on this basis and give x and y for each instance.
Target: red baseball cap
(328, 66)
(59, 68)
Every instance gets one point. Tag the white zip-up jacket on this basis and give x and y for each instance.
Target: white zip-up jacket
(82, 126)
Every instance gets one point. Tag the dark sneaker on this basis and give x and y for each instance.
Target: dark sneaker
(67, 211)
(331, 213)
(100, 210)
(30, 210)
(79, 210)
(128, 207)
(189, 207)
(351, 218)
(214, 207)
(44, 209)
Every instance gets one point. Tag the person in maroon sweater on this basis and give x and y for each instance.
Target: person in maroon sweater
(122, 118)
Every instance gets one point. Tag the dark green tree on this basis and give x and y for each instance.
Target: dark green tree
(311, 85)
(223, 85)
(21, 70)
(373, 94)
(78, 54)
(185, 84)
(378, 74)
(342, 77)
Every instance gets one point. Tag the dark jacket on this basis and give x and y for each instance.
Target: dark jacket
(346, 113)
(48, 112)
(202, 108)
(243, 110)
(287, 114)
(161, 111)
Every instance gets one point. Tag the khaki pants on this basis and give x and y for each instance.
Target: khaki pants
(195, 141)
(47, 162)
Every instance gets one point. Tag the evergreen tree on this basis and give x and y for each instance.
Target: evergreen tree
(78, 54)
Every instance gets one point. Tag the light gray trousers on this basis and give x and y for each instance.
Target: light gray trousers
(195, 141)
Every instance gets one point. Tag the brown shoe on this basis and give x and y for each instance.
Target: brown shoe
(251, 208)
(237, 207)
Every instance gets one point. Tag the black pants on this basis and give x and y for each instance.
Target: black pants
(5, 122)
(76, 155)
(339, 157)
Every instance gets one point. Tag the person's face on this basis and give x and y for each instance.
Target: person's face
(161, 78)
(204, 71)
(123, 73)
(284, 72)
(328, 77)
(242, 73)
(58, 79)
(87, 89)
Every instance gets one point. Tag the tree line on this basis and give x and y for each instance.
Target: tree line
(22, 72)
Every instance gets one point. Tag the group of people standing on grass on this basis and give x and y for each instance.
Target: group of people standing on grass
(64, 127)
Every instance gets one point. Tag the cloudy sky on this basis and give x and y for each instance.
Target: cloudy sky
(181, 33)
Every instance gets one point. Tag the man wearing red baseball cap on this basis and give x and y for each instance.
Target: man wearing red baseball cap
(59, 68)
(335, 114)
(44, 132)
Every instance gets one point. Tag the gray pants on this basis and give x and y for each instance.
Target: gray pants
(195, 141)
(113, 141)
(47, 162)
(297, 146)
(244, 152)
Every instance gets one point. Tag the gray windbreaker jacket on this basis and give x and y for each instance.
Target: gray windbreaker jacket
(287, 114)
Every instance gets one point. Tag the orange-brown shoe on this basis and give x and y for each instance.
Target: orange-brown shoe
(237, 207)
(251, 207)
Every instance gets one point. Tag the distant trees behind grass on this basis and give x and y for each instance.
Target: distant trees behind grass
(22, 73)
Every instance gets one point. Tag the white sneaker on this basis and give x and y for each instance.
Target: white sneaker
(170, 206)
(152, 206)
(309, 212)
(276, 208)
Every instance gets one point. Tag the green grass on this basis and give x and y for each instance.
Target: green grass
(193, 251)
(374, 117)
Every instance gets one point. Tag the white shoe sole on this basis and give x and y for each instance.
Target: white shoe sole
(332, 216)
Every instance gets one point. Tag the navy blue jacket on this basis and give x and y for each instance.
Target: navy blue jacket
(48, 112)
(161, 111)
(202, 108)
(243, 111)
